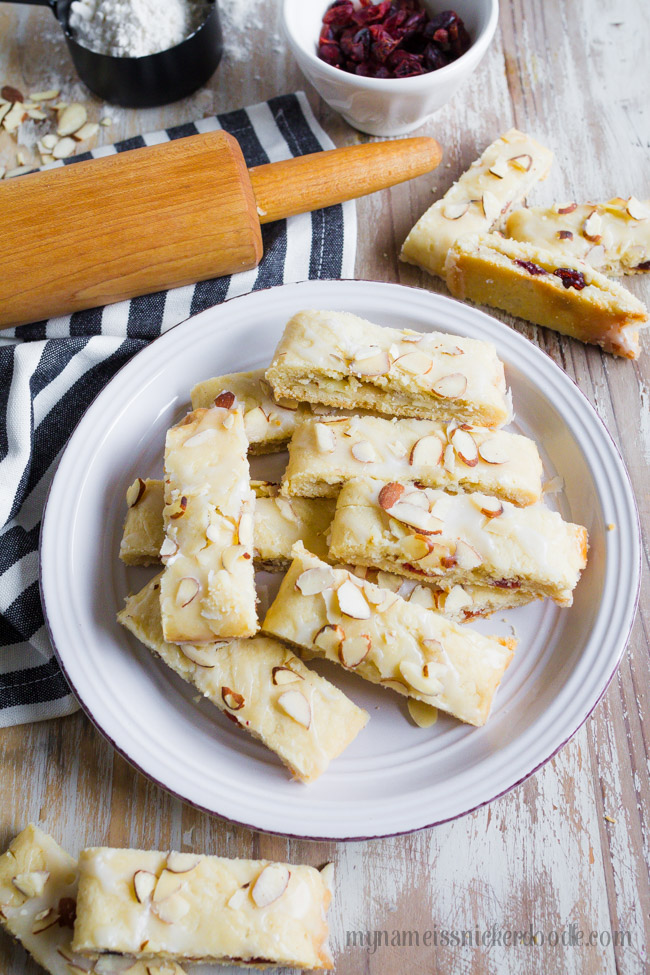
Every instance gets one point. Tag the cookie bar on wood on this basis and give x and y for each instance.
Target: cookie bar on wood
(277, 524)
(261, 686)
(541, 286)
(330, 612)
(204, 908)
(344, 361)
(208, 587)
(500, 179)
(38, 902)
(326, 452)
(269, 425)
(612, 237)
(458, 539)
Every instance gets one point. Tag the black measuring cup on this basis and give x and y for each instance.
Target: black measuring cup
(155, 79)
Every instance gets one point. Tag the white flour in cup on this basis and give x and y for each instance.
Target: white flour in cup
(133, 28)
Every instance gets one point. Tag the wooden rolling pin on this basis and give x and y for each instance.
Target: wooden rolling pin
(167, 215)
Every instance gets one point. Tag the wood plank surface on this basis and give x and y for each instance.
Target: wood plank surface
(571, 845)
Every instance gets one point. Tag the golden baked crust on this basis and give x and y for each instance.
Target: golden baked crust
(501, 178)
(344, 361)
(246, 679)
(521, 279)
(205, 908)
(329, 612)
(464, 539)
(326, 452)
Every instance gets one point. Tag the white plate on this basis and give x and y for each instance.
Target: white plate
(395, 777)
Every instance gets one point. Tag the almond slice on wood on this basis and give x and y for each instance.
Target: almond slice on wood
(71, 119)
(86, 132)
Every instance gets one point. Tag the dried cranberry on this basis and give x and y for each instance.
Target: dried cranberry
(371, 14)
(331, 54)
(571, 278)
(531, 268)
(405, 65)
(339, 13)
(383, 44)
(434, 58)
(507, 584)
(565, 235)
(644, 266)
(355, 44)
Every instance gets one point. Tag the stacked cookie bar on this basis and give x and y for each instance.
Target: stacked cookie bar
(405, 510)
(148, 913)
(550, 267)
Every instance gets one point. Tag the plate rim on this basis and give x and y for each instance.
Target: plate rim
(506, 330)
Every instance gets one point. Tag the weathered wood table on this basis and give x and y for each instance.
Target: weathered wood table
(570, 846)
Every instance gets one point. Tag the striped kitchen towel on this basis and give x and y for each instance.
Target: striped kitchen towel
(51, 371)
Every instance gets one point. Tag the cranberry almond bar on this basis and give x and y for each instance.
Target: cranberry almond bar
(542, 287)
(326, 452)
(458, 539)
(261, 686)
(344, 361)
(612, 237)
(208, 587)
(146, 904)
(278, 522)
(501, 178)
(38, 902)
(330, 612)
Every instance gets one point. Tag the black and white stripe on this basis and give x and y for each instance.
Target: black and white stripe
(51, 371)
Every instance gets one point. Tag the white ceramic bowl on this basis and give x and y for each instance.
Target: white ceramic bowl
(384, 106)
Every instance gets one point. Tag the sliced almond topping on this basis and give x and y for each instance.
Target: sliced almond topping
(64, 148)
(415, 363)
(71, 119)
(523, 162)
(177, 508)
(426, 452)
(364, 452)
(44, 920)
(568, 208)
(376, 365)
(256, 424)
(228, 421)
(465, 446)
(188, 589)
(296, 705)
(167, 884)
(416, 517)
(232, 555)
(135, 492)
(492, 452)
(637, 210)
(457, 600)
(238, 899)
(225, 400)
(284, 675)
(423, 596)
(450, 459)
(390, 495)
(172, 909)
(203, 656)
(144, 884)
(420, 679)
(168, 548)
(32, 883)
(86, 132)
(490, 507)
(394, 685)
(271, 884)
(245, 529)
(451, 386)
(596, 255)
(182, 862)
(286, 510)
(232, 699)
(593, 227)
(412, 337)
(500, 168)
(354, 650)
(201, 438)
(325, 438)
(466, 556)
(414, 548)
(311, 582)
(491, 206)
(366, 353)
(397, 449)
(453, 211)
(329, 638)
(424, 715)
(352, 602)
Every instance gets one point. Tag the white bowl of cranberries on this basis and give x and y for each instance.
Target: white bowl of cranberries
(386, 65)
